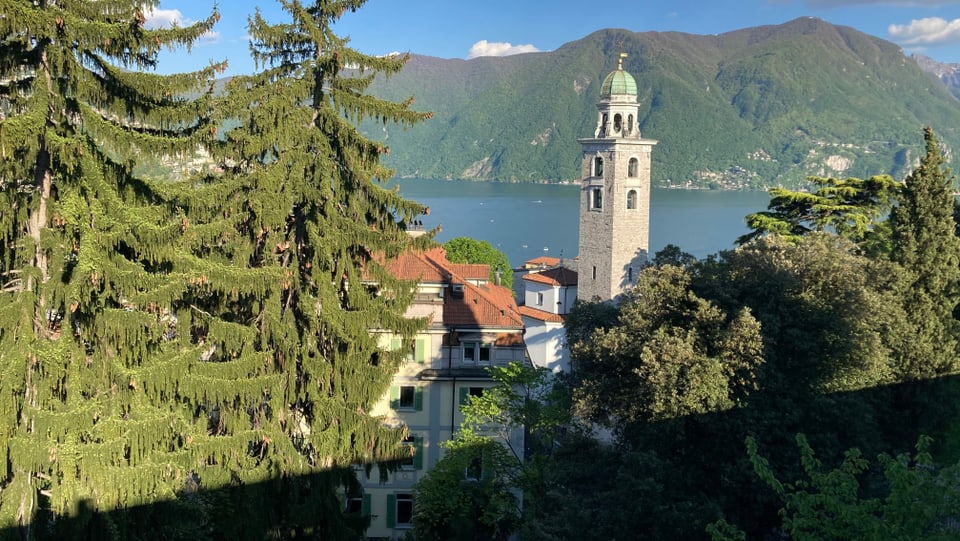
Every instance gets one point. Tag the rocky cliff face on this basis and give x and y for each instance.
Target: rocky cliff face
(949, 73)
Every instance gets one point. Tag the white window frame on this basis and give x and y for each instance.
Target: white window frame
(409, 464)
(404, 499)
(477, 348)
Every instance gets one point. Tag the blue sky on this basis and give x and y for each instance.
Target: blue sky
(469, 28)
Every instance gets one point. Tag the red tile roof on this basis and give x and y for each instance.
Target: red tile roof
(420, 266)
(559, 276)
(482, 306)
(542, 261)
(541, 315)
(471, 271)
(486, 305)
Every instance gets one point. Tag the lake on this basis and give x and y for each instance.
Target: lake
(530, 220)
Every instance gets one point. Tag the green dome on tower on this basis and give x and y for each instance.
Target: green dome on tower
(619, 81)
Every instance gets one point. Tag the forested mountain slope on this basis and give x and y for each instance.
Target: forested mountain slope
(753, 108)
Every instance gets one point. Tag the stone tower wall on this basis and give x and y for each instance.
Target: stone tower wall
(613, 240)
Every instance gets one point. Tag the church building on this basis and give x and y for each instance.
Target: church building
(615, 193)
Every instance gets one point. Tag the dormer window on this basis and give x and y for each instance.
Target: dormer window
(477, 353)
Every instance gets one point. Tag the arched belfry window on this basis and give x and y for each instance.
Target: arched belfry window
(632, 200)
(596, 198)
(598, 166)
(617, 122)
(632, 167)
(603, 124)
(630, 124)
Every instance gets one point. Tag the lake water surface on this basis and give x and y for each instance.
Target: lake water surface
(531, 220)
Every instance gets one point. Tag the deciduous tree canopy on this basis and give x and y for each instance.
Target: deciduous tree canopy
(467, 250)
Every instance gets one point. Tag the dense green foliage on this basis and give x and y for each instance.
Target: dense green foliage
(467, 250)
(476, 490)
(833, 340)
(191, 359)
(925, 245)
(677, 353)
(850, 207)
(89, 270)
(468, 495)
(757, 108)
(918, 499)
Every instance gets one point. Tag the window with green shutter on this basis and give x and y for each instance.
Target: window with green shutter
(409, 462)
(358, 505)
(406, 397)
(418, 453)
(391, 510)
(399, 510)
(418, 399)
(420, 350)
(394, 397)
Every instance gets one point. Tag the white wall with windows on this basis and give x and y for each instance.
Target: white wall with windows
(549, 298)
(442, 369)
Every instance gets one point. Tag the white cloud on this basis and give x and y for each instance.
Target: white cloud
(164, 18)
(929, 31)
(168, 18)
(486, 48)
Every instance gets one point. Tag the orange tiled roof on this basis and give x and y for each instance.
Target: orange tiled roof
(541, 315)
(482, 306)
(471, 271)
(420, 266)
(559, 276)
(542, 261)
(487, 305)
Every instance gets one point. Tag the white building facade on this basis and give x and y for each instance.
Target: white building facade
(473, 325)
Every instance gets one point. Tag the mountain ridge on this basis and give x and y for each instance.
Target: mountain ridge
(751, 108)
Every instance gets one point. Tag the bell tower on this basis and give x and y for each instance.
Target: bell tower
(614, 193)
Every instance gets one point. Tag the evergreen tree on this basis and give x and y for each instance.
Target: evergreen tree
(925, 245)
(287, 246)
(89, 417)
(851, 207)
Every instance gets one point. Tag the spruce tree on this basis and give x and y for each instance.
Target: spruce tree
(925, 245)
(89, 414)
(288, 244)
